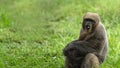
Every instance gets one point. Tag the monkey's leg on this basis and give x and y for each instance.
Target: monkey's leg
(90, 61)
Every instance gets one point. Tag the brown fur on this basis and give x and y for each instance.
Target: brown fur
(91, 47)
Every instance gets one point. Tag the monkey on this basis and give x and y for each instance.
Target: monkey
(90, 49)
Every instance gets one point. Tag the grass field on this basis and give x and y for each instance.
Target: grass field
(33, 33)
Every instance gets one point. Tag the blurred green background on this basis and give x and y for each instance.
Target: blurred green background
(33, 33)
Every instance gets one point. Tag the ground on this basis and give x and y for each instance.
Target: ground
(33, 33)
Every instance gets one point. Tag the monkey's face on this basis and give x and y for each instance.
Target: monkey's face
(88, 25)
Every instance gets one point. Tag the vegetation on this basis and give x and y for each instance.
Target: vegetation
(34, 33)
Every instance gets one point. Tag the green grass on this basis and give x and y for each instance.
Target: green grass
(34, 33)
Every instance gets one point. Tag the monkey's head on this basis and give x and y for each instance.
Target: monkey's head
(90, 21)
